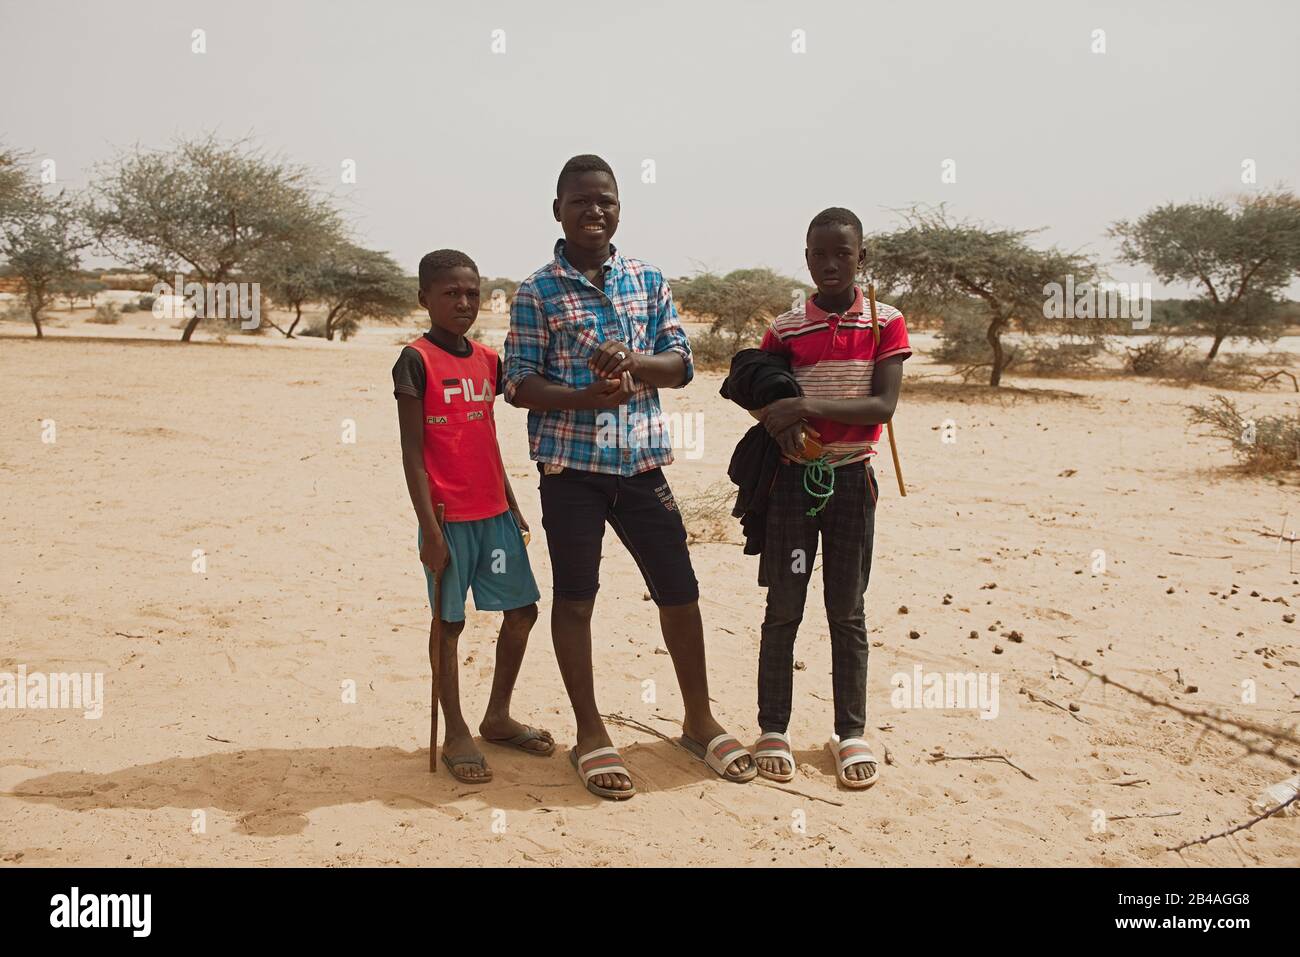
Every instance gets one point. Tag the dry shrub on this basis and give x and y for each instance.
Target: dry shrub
(707, 514)
(1268, 444)
(14, 311)
(1238, 371)
(106, 314)
(712, 351)
(1063, 358)
(1157, 356)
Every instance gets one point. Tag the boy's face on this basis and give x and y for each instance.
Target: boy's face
(834, 256)
(587, 209)
(452, 299)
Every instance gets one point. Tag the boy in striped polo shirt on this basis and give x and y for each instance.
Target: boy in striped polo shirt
(850, 389)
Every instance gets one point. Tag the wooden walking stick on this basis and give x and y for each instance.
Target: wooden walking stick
(435, 655)
(889, 426)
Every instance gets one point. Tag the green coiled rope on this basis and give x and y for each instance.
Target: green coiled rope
(819, 481)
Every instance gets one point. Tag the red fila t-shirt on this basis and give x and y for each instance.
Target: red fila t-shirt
(832, 357)
(461, 455)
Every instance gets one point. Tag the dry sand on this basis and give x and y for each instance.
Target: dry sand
(223, 689)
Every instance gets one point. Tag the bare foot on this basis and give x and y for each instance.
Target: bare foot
(774, 765)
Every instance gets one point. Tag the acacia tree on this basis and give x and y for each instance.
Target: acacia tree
(78, 287)
(945, 263)
(41, 238)
(1240, 257)
(295, 274)
(357, 284)
(204, 207)
(14, 180)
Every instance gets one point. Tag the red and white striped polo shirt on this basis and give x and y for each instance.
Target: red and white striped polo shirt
(832, 357)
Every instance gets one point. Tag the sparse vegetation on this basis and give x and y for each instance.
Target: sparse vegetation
(713, 350)
(707, 514)
(106, 314)
(1267, 444)
(1157, 356)
(1240, 258)
(994, 273)
(741, 304)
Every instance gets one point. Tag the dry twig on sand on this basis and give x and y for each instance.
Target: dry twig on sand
(1236, 730)
(626, 722)
(1043, 700)
(1240, 827)
(811, 797)
(935, 758)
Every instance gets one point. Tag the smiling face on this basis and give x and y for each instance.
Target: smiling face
(587, 209)
(452, 299)
(835, 257)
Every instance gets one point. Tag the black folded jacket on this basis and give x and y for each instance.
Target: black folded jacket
(756, 379)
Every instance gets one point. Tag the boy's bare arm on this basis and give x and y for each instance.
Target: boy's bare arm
(510, 499)
(410, 418)
(875, 409)
(663, 370)
(541, 394)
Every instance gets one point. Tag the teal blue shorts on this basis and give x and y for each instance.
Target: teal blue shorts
(487, 555)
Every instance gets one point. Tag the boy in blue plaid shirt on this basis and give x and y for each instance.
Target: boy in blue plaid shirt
(593, 337)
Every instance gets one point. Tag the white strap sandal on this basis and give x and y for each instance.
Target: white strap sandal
(849, 752)
(775, 744)
(601, 761)
(719, 754)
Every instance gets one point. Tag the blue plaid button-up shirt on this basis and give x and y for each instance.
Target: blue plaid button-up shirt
(558, 319)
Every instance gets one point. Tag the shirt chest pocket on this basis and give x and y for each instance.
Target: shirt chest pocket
(638, 320)
(577, 330)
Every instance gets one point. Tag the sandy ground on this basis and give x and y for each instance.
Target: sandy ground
(223, 689)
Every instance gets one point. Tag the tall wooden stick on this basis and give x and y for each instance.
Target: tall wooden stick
(435, 655)
(889, 426)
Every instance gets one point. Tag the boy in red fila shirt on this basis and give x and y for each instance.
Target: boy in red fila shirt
(445, 385)
(850, 388)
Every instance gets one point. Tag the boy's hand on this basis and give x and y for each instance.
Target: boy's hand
(791, 440)
(609, 393)
(778, 416)
(612, 359)
(434, 553)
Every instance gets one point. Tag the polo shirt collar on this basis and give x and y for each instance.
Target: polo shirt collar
(614, 264)
(814, 311)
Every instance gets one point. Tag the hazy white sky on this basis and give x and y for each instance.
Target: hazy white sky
(456, 145)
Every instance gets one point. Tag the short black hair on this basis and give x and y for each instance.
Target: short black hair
(585, 163)
(440, 259)
(836, 216)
